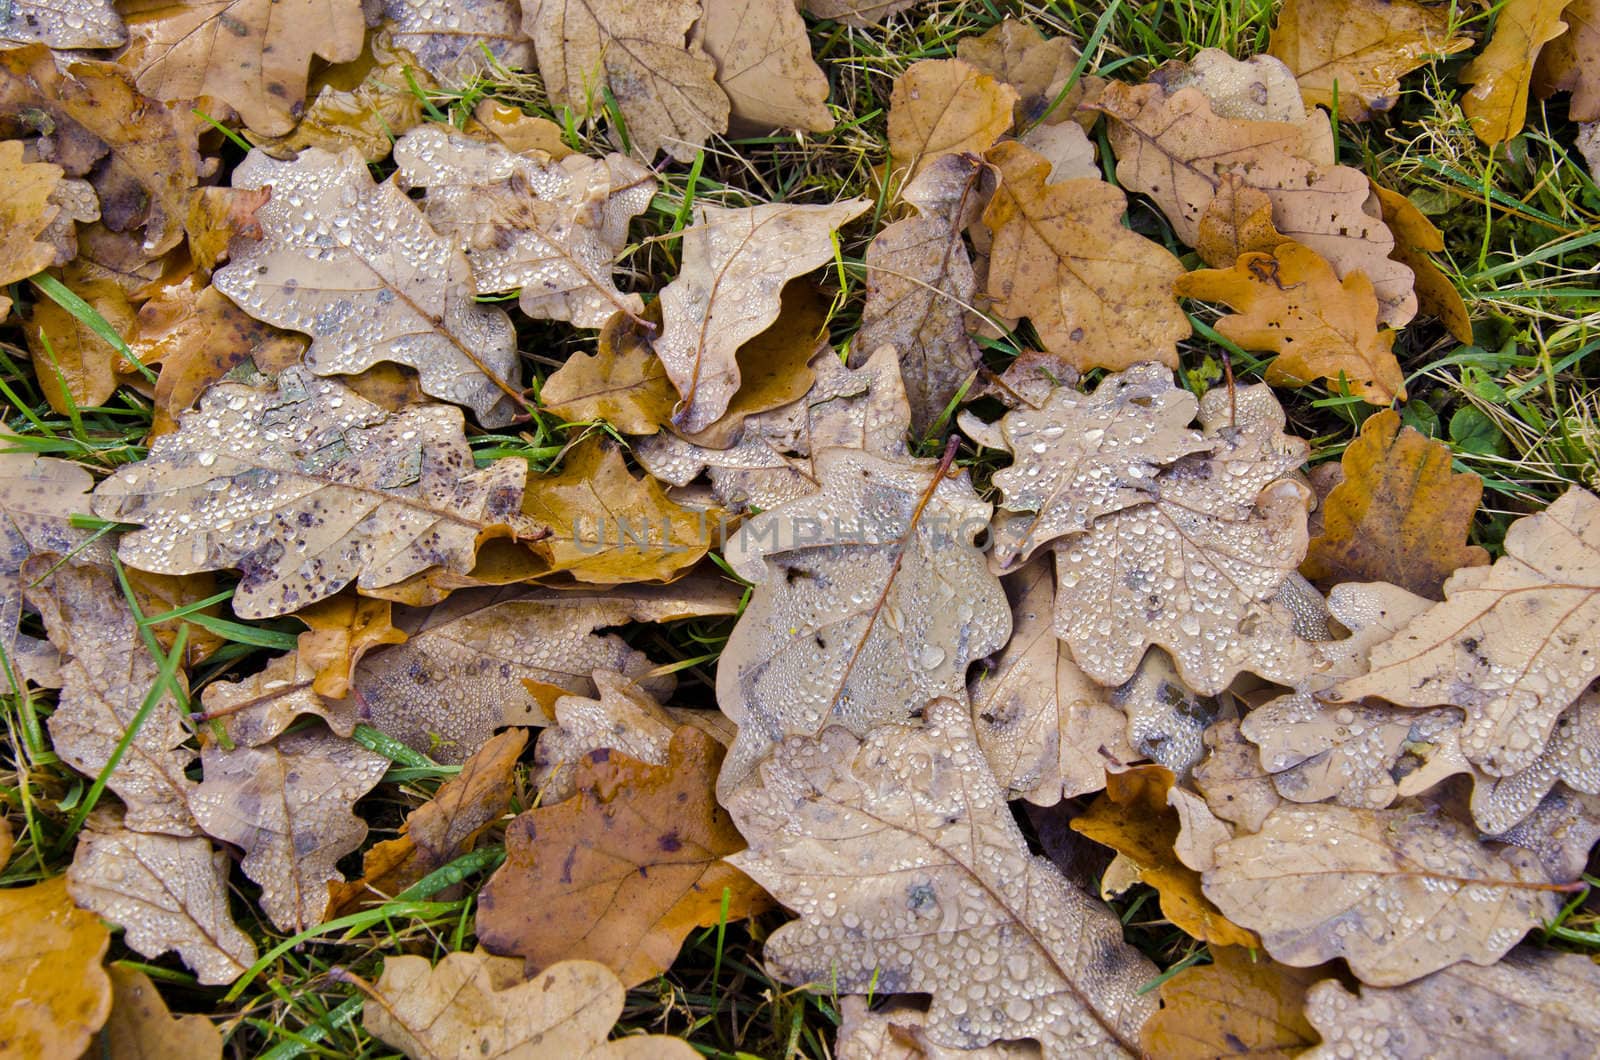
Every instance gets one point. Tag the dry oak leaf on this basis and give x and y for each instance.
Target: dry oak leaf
(1241, 1004)
(624, 870)
(26, 213)
(1230, 777)
(356, 266)
(870, 599)
(921, 288)
(607, 527)
(308, 487)
(287, 805)
(107, 673)
(1067, 148)
(898, 1031)
(1037, 69)
(165, 892)
(476, 1005)
(1531, 1003)
(1080, 456)
(1571, 62)
(1133, 818)
(1572, 756)
(858, 13)
(88, 116)
(1046, 728)
(1398, 893)
(944, 106)
(1513, 644)
(62, 24)
(56, 993)
(735, 265)
(1197, 570)
(215, 216)
(74, 366)
(141, 1027)
(623, 382)
(450, 39)
(1502, 74)
(1400, 515)
(1099, 295)
(342, 629)
(1260, 88)
(254, 710)
(1291, 302)
(1415, 238)
(6, 841)
(764, 64)
(553, 229)
(1561, 832)
(1360, 49)
(250, 54)
(1237, 221)
(664, 85)
(900, 855)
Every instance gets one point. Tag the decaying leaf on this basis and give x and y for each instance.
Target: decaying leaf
(904, 837)
(1512, 645)
(1237, 221)
(257, 708)
(1571, 62)
(735, 265)
(553, 229)
(141, 1027)
(1235, 786)
(472, 1001)
(1260, 88)
(1359, 49)
(251, 54)
(518, 130)
(1561, 832)
(664, 86)
(764, 64)
(76, 368)
(941, 107)
(354, 265)
(1166, 719)
(1403, 892)
(1241, 1004)
(57, 994)
(898, 1031)
(623, 382)
(1502, 74)
(26, 214)
(308, 487)
(450, 39)
(1098, 294)
(1017, 54)
(622, 872)
(1572, 755)
(165, 892)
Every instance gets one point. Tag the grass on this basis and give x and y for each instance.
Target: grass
(1519, 407)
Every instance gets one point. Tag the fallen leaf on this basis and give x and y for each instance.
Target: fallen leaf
(517, 130)
(663, 85)
(457, 41)
(50, 954)
(6, 841)
(1230, 777)
(216, 216)
(859, 13)
(1017, 54)
(481, 1002)
(944, 107)
(1560, 832)
(905, 833)
(1415, 238)
(1260, 88)
(622, 872)
(1572, 755)
(553, 229)
(764, 64)
(355, 265)
(165, 892)
(622, 383)
(1237, 221)
(141, 1026)
(323, 488)
(287, 805)
(1241, 1004)
(735, 265)
(1353, 53)
(1098, 294)
(77, 24)
(75, 367)
(1501, 75)
(27, 213)
(898, 1031)
(251, 54)
(342, 629)
(1166, 719)
(1571, 62)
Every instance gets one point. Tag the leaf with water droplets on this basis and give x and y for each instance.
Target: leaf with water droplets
(26, 214)
(62, 24)
(1235, 787)
(57, 994)
(1572, 755)
(456, 39)
(897, 1030)
(1560, 832)
(1241, 1004)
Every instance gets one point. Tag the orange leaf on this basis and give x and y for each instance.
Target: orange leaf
(1502, 73)
(57, 994)
(1241, 1004)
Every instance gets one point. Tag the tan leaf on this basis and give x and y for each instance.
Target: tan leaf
(859, 13)
(554, 229)
(354, 265)
(75, 24)
(1260, 88)
(517, 130)
(622, 383)
(1501, 75)
(664, 86)
(764, 64)
(142, 1028)
(1400, 515)
(1017, 54)
(1080, 456)
(287, 805)
(255, 709)
(342, 630)
(1237, 221)
(1404, 892)
(1360, 49)
(1166, 719)
(898, 1031)
(57, 993)
(1235, 786)
(1512, 645)
(6, 841)
(323, 488)
(1532, 1003)
(1572, 755)
(251, 54)
(75, 367)
(944, 106)
(216, 216)
(473, 1000)
(165, 892)
(449, 39)
(900, 855)
(1571, 62)
(735, 265)
(26, 213)
(1241, 1004)
(1415, 238)
(869, 600)
(1561, 831)
(1289, 301)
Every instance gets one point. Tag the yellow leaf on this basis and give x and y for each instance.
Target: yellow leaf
(941, 107)
(56, 994)
(1502, 73)
(1241, 1004)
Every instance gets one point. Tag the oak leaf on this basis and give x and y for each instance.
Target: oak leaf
(1037, 69)
(1067, 148)
(944, 106)
(1572, 756)
(27, 213)
(1099, 295)
(1237, 221)
(764, 64)
(141, 1026)
(1561, 831)
(1415, 238)
(858, 13)
(1571, 62)
(735, 265)
(355, 265)
(62, 25)
(58, 995)
(1230, 777)
(520, 131)
(1239, 1004)
(342, 629)
(454, 41)
(75, 367)
(622, 383)
(904, 838)
(1166, 719)
(898, 1031)
(1260, 88)
(1502, 74)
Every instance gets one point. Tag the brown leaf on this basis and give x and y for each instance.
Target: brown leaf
(764, 64)
(1360, 49)
(520, 132)
(1067, 148)
(944, 106)
(250, 54)
(1241, 1004)
(79, 24)
(478, 1002)
(142, 1028)
(664, 86)
(1572, 755)
(1260, 88)
(904, 838)
(1416, 237)
(1237, 221)
(50, 954)
(1289, 301)
(26, 213)
(1561, 832)
(1099, 295)
(622, 383)
(1501, 75)
(1400, 515)
(1235, 786)
(215, 216)
(1017, 54)
(6, 841)
(1571, 62)
(622, 872)
(342, 630)
(354, 265)
(75, 367)
(449, 39)
(859, 13)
